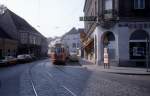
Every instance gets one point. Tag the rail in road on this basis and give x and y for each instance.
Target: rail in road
(32, 82)
(50, 76)
(62, 86)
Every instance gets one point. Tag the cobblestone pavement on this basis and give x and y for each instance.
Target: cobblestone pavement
(41, 78)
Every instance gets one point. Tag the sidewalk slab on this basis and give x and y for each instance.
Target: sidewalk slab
(119, 70)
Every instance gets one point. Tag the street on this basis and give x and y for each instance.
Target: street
(42, 78)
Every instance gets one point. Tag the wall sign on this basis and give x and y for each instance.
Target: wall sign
(135, 25)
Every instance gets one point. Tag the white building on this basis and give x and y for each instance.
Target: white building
(53, 42)
(72, 40)
(122, 26)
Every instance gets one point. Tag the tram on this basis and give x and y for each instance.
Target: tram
(59, 54)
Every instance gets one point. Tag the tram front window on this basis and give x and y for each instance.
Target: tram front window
(58, 50)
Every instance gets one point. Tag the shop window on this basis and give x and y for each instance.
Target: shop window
(138, 51)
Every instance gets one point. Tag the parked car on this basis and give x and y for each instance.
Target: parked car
(2, 62)
(73, 57)
(24, 58)
(8, 60)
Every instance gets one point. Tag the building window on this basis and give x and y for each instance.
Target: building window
(139, 4)
(78, 45)
(95, 8)
(108, 9)
(34, 40)
(73, 45)
(24, 37)
(108, 4)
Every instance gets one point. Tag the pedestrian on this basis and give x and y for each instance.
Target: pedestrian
(106, 58)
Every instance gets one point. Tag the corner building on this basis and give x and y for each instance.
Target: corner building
(122, 26)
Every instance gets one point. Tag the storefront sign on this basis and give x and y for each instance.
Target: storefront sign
(88, 18)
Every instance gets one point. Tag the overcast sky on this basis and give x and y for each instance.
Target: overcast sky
(55, 17)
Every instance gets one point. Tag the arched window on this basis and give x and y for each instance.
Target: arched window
(109, 37)
(139, 35)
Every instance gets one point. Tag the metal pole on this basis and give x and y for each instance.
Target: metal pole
(147, 54)
(148, 57)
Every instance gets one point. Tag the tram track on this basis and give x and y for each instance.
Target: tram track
(32, 81)
(58, 83)
(68, 74)
(50, 76)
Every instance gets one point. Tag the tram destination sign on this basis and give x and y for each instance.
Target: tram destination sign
(88, 18)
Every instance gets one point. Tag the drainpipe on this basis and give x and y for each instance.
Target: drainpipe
(147, 54)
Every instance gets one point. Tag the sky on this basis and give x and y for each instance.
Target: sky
(50, 17)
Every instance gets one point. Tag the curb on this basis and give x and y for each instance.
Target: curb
(127, 73)
(122, 73)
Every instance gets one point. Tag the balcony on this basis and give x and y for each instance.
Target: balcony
(108, 19)
(110, 14)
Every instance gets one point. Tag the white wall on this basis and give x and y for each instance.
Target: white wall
(99, 31)
(121, 44)
(69, 39)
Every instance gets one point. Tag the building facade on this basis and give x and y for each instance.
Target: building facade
(29, 40)
(52, 42)
(72, 40)
(121, 26)
(8, 46)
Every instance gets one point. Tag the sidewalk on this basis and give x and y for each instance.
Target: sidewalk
(118, 70)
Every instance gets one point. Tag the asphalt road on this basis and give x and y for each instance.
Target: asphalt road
(41, 78)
